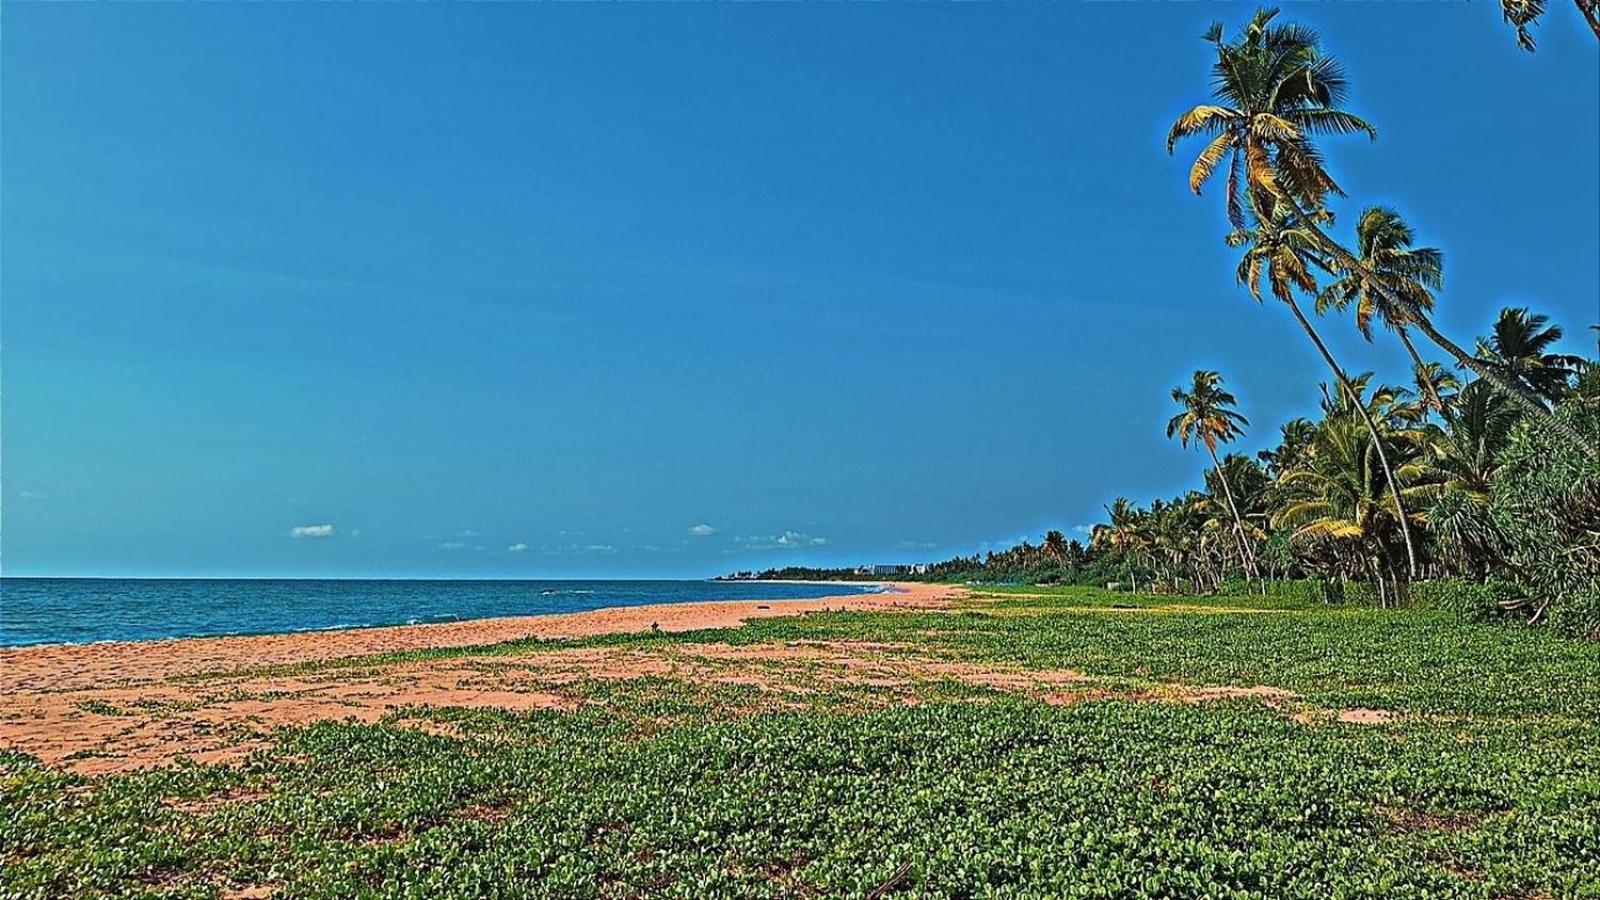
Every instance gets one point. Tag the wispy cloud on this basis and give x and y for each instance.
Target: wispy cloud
(311, 531)
(452, 545)
(784, 540)
(702, 530)
(518, 547)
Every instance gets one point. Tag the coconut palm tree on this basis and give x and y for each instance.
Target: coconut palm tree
(1208, 417)
(1126, 534)
(1276, 91)
(1285, 254)
(1339, 510)
(1294, 439)
(1055, 546)
(1437, 388)
(1274, 88)
(1523, 14)
(1383, 242)
(1466, 451)
(1519, 347)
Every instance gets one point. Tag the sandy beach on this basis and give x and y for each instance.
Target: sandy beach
(114, 706)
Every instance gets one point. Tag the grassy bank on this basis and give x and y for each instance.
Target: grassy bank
(1482, 781)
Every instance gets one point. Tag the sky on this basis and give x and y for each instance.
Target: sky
(529, 290)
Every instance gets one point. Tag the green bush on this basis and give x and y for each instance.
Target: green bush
(1579, 613)
(1297, 590)
(1546, 502)
(1470, 601)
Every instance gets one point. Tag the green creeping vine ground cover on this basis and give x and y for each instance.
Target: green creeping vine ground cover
(1486, 786)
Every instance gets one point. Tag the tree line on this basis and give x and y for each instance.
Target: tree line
(1483, 466)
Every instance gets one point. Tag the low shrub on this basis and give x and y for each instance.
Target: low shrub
(1470, 601)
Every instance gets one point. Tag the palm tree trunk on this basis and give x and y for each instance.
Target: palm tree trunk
(1245, 554)
(1372, 428)
(1494, 376)
(1591, 14)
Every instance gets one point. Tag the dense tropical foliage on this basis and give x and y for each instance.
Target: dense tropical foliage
(1482, 469)
(1486, 474)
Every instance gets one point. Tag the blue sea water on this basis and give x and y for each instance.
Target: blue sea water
(85, 610)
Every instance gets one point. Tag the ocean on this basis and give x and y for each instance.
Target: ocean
(86, 610)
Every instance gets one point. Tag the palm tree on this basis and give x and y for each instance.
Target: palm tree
(1275, 87)
(1383, 242)
(1125, 534)
(1285, 254)
(1338, 507)
(1209, 418)
(1466, 451)
(1520, 346)
(1294, 439)
(1523, 14)
(1277, 90)
(1438, 388)
(1055, 546)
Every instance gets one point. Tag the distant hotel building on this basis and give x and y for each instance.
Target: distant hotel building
(895, 569)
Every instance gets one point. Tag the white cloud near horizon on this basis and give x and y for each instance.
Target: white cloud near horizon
(518, 547)
(702, 530)
(311, 531)
(784, 540)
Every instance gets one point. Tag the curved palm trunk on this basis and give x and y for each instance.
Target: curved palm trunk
(1494, 376)
(1246, 556)
(1372, 428)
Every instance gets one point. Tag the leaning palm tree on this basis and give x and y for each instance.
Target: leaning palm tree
(1384, 243)
(1520, 347)
(1209, 418)
(1284, 253)
(1276, 91)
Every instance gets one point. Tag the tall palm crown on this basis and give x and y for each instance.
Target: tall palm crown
(1383, 242)
(1275, 90)
(1520, 347)
(1284, 252)
(1208, 414)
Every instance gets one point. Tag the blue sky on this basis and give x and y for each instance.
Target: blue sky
(536, 290)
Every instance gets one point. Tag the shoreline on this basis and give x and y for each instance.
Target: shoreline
(51, 667)
(883, 587)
